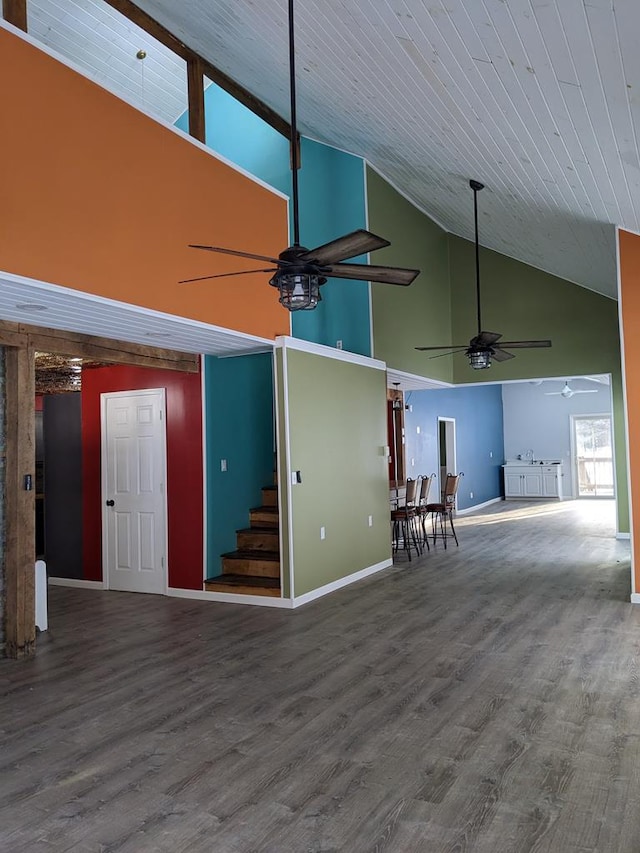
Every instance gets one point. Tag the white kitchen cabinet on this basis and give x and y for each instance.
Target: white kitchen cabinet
(533, 481)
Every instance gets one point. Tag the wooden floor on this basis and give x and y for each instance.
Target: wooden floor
(485, 699)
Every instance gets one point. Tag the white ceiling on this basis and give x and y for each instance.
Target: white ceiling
(23, 300)
(535, 98)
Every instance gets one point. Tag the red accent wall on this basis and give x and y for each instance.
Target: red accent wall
(184, 466)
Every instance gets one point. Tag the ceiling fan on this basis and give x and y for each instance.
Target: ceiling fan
(569, 392)
(485, 345)
(299, 272)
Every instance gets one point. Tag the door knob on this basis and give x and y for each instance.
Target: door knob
(111, 503)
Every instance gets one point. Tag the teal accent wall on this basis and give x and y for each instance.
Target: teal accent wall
(239, 428)
(242, 137)
(332, 203)
(337, 437)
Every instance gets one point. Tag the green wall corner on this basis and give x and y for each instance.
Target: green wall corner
(337, 437)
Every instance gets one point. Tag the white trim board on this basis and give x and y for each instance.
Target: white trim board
(475, 507)
(285, 342)
(635, 598)
(341, 582)
(76, 583)
(626, 536)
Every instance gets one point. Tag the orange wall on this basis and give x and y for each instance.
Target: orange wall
(100, 198)
(629, 254)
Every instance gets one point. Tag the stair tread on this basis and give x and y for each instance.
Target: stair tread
(245, 580)
(248, 582)
(272, 531)
(252, 554)
(273, 510)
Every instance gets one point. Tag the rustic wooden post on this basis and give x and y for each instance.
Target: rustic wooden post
(15, 12)
(20, 503)
(195, 86)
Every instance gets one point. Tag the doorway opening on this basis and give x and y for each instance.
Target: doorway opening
(592, 456)
(446, 451)
(395, 433)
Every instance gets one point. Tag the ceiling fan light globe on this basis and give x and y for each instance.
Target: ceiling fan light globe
(479, 359)
(298, 291)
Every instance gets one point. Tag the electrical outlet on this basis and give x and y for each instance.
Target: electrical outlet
(370, 521)
(413, 462)
(223, 464)
(322, 533)
(418, 430)
(491, 454)
(338, 344)
(470, 494)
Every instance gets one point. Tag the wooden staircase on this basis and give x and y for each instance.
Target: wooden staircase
(254, 568)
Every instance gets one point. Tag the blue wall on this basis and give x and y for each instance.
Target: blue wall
(479, 433)
(332, 203)
(239, 428)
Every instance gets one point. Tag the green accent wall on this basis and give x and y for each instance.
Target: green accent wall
(418, 315)
(525, 303)
(239, 428)
(337, 437)
(283, 479)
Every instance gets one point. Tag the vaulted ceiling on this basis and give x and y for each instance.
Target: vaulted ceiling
(538, 99)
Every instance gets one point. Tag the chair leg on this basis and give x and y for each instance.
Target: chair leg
(453, 530)
(423, 525)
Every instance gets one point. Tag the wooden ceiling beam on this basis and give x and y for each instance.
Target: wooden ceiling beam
(155, 29)
(78, 345)
(15, 12)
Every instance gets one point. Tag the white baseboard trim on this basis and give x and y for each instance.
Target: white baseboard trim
(478, 506)
(623, 536)
(78, 583)
(635, 597)
(231, 598)
(346, 581)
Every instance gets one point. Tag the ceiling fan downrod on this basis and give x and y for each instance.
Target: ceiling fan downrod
(476, 186)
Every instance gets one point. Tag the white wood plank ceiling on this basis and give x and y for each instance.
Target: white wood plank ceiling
(538, 99)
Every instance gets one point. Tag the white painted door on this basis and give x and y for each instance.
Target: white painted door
(133, 490)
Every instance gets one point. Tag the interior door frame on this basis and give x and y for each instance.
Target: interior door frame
(450, 450)
(103, 476)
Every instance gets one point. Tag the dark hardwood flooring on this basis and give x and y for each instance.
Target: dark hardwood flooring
(481, 699)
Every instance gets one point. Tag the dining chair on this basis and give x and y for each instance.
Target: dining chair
(442, 512)
(425, 481)
(404, 521)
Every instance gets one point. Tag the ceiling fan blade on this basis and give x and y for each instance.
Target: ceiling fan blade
(452, 347)
(585, 391)
(238, 254)
(371, 272)
(500, 354)
(524, 344)
(224, 275)
(485, 339)
(356, 243)
(451, 352)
